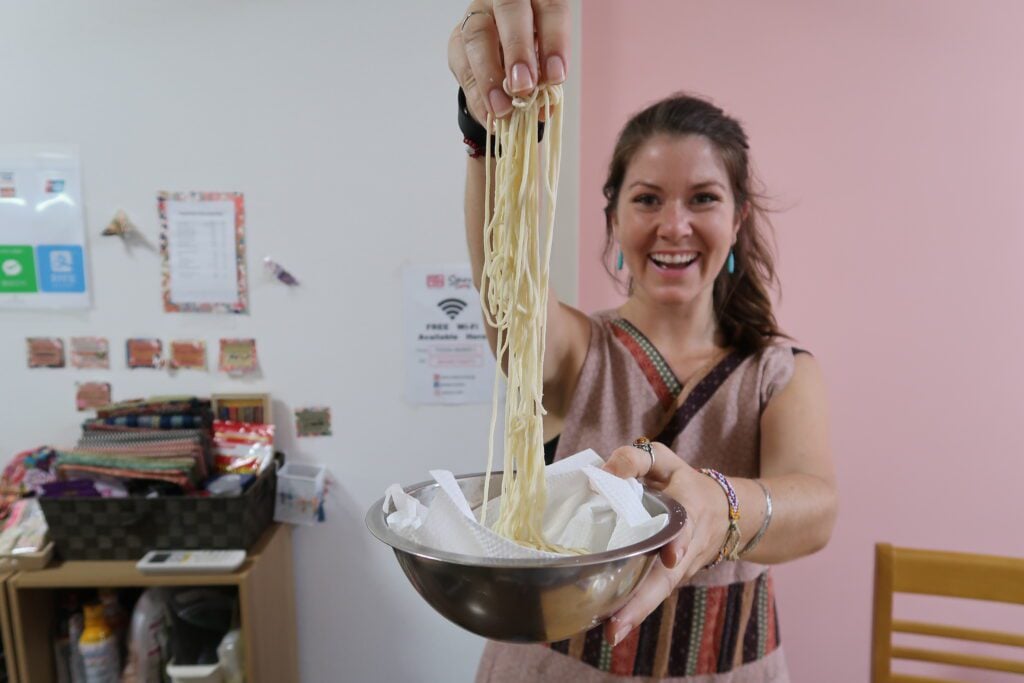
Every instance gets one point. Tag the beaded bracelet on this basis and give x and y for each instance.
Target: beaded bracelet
(764, 525)
(729, 549)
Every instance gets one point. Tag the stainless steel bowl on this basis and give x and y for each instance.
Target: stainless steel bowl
(524, 600)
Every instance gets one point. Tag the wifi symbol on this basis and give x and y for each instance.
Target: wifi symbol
(451, 307)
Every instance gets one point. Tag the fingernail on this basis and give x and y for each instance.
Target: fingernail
(522, 79)
(555, 71)
(501, 104)
(620, 633)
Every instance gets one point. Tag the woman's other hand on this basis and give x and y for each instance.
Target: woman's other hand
(533, 38)
(696, 546)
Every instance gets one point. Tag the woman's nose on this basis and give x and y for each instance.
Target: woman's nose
(676, 220)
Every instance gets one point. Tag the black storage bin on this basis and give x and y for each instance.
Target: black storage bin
(128, 528)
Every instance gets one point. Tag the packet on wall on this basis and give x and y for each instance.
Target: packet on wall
(242, 447)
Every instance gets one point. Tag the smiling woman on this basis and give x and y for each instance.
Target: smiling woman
(693, 359)
(684, 156)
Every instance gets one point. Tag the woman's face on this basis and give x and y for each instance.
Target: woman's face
(676, 219)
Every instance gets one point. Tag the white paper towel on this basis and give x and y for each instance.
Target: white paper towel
(587, 508)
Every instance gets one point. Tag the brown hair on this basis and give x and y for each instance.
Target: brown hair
(742, 303)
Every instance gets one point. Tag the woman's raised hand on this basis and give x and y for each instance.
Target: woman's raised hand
(522, 42)
(696, 546)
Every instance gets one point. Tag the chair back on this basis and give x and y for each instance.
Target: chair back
(931, 572)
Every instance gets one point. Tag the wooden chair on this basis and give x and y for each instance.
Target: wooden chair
(928, 572)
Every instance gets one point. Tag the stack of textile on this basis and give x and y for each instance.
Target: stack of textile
(143, 442)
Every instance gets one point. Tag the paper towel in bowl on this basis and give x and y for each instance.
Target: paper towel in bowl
(587, 508)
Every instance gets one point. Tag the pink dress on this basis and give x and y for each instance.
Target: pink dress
(721, 626)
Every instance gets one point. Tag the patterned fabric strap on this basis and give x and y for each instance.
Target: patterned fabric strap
(697, 630)
(650, 360)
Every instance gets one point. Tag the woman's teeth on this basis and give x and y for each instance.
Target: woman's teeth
(674, 260)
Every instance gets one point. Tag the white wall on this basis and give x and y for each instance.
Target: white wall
(337, 121)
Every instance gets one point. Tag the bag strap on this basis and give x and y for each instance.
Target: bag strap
(700, 394)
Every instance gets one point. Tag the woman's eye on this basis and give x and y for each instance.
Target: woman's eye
(645, 199)
(705, 198)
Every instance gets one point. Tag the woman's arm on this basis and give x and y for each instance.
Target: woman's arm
(796, 466)
(797, 469)
(474, 58)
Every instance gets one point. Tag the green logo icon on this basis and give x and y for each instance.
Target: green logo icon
(17, 269)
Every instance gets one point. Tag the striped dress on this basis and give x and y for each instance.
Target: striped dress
(721, 626)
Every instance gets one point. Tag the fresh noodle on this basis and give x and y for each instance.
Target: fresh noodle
(515, 285)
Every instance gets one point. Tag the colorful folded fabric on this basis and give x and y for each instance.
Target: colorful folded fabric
(165, 421)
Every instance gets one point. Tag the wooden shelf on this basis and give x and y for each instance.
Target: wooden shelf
(266, 596)
(6, 633)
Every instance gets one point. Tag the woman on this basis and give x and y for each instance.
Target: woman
(694, 359)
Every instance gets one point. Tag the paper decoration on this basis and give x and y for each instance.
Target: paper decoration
(120, 225)
(279, 272)
(202, 241)
(145, 353)
(90, 395)
(45, 352)
(190, 355)
(42, 228)
(313, 422)
(238, 356)
(90, 352)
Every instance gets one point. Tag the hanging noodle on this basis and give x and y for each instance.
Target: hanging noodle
(515, 285)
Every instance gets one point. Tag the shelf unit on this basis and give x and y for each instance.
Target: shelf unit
(5, 630)
(266, 596)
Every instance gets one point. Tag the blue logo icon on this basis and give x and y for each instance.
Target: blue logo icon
(61, 268)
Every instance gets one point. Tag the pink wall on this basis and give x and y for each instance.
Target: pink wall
(893, 135)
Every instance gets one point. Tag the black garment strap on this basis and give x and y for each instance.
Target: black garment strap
(474, 132)
(700, 395)
(550, 448)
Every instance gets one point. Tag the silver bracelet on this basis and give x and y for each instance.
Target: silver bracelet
(767, 519)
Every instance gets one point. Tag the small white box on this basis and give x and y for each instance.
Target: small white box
(300, 493)
(197, 673)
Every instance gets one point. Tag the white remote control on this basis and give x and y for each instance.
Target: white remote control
(190, 561)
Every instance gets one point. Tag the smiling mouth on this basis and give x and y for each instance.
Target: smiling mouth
(673, 261)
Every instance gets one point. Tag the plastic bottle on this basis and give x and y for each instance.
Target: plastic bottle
(99, 648)
(229, 652)
(147, 642)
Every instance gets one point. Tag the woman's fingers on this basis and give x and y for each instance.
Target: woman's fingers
(672, 553)
(480, 62)
(551, 18)
(631, 461)
(651, 593)
(463, 72)
(493, 51)
(514, 19)
(691, 562)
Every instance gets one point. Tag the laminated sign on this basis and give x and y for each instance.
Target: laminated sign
(42, 229)
(447, 357)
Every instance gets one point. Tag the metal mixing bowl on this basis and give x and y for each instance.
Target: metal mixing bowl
(523, 601)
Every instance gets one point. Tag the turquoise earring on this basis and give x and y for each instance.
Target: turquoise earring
(730, 264)
(620, 261)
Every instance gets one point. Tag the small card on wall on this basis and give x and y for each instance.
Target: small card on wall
(90, 352)
(45, 352)
(313, 422)
(145, 353)
(90, 395)
(188, 355)
(238, 356)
